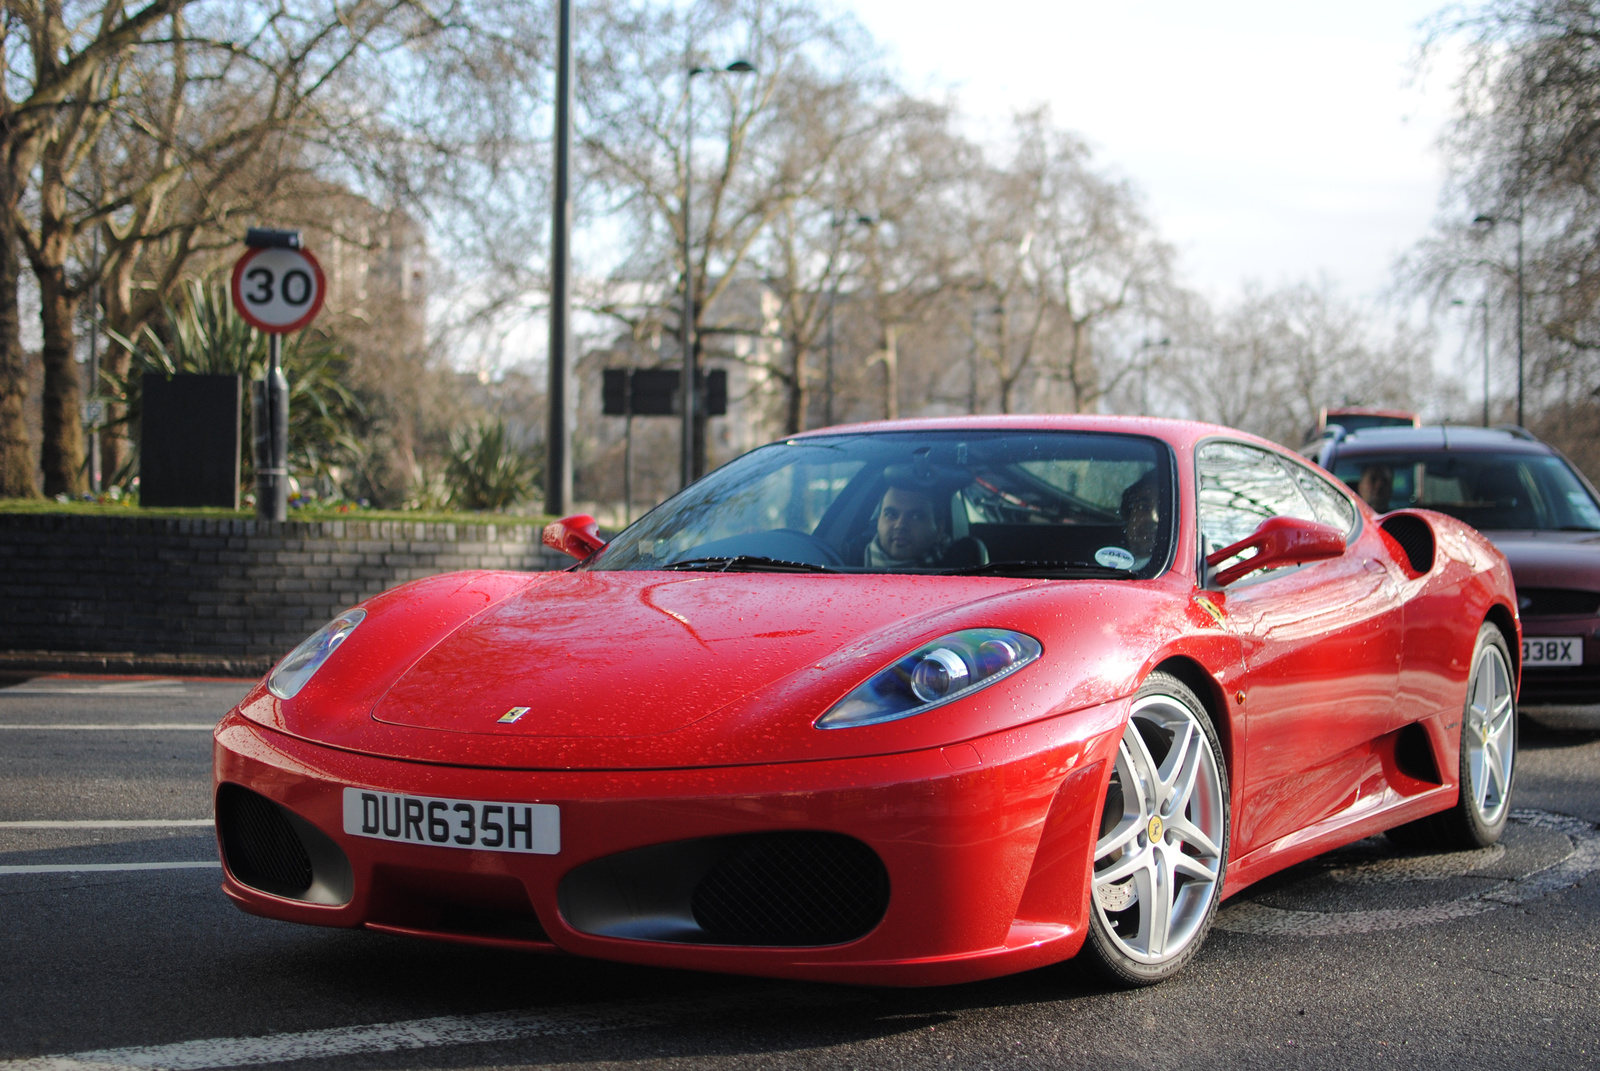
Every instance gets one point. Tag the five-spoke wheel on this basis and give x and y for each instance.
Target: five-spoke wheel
(1488, 757)
(1159, 861)
(1489, 735)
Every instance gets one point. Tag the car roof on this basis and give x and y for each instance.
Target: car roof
(1181, 434)
(1466, 439)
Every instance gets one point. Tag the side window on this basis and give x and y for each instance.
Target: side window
(1331, 508)
(1241, 486)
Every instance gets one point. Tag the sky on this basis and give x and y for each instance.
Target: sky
(1273, 142)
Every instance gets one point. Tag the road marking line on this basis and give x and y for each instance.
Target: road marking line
(340, 1041)
(105, 823)
(149, 726)
(163, 686)
(19, 690)
(414, 1034)
(1263, 921)
(102, 868)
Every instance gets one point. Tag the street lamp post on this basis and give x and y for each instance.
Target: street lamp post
(1490, 221)
(558, 437)
(690, 460)
(1483, 303)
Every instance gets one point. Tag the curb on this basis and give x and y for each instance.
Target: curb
(129, 662)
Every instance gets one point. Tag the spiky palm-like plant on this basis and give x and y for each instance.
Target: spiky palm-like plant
(487, 470)
(201, 332)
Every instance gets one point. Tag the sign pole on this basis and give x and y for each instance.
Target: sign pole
(277, 287)
(627, 455)
(272, 479)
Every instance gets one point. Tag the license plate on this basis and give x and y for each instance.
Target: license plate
(450, 823)
(1552, 651)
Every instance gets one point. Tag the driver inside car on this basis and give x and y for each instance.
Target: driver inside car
(909, 531)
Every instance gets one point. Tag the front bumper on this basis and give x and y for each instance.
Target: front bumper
(1561, 687)
(987, 847)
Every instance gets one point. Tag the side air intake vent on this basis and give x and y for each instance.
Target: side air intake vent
(793, 889)
(270, 848)
(1414, 537)
(261, 846)
(788, 888)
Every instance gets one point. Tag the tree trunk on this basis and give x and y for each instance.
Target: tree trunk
(62, 451)
(18, 467)
(891, 371)
(61, 454)
(797, 389)
(115, 289)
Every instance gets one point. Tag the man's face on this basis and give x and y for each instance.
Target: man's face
(1376, 486)
(906, 529)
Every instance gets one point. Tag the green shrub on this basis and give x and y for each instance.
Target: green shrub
(487, 470)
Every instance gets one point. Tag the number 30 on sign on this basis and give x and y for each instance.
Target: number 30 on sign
(278, 290)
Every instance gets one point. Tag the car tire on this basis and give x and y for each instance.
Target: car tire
(1162, 848)
(1487, 757)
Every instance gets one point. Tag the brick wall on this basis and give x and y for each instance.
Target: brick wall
(216, 588)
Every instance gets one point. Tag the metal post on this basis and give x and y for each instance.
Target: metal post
(827, 405)
(1485, 303)
(270, 410)
(972, 369)
(1519, 312)
(627, 450)
(687, 386)
(558, 456)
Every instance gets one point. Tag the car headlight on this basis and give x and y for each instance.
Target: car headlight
(290, 675)
(949, 668)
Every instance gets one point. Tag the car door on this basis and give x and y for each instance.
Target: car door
(1319, 640)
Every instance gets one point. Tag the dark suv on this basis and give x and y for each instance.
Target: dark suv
(1532, 504)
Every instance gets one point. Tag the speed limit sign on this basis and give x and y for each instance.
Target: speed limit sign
(278, 290)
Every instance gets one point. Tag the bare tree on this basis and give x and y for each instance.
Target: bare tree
(58, 59)
(1522, 202)
(1059, 251)
(1269, 362)
(767, 155)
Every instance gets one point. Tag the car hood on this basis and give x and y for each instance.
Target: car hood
(1551, 559)
(633, 670)
(633, 654)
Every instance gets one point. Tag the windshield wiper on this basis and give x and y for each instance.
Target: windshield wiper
(1065, 570)
(746, 563)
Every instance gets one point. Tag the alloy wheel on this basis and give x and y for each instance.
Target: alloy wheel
(1159, 856)
(1489, 734)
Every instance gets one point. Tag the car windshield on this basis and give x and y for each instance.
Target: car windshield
(1053, 504)
(1488, 491)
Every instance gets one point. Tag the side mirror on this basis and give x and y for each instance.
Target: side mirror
(578, 536)
(1279, 541)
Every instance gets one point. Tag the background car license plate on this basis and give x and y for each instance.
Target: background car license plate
(450, 823)
(1552, 651)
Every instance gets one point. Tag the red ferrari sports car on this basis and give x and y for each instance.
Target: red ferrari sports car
(909, 703)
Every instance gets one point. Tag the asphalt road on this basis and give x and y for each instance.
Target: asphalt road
(1366, 957)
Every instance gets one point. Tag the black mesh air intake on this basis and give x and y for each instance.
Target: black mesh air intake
(261, 847)
(1577, 685)
(1414, 537)
(1557, 602)
(792, 889)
